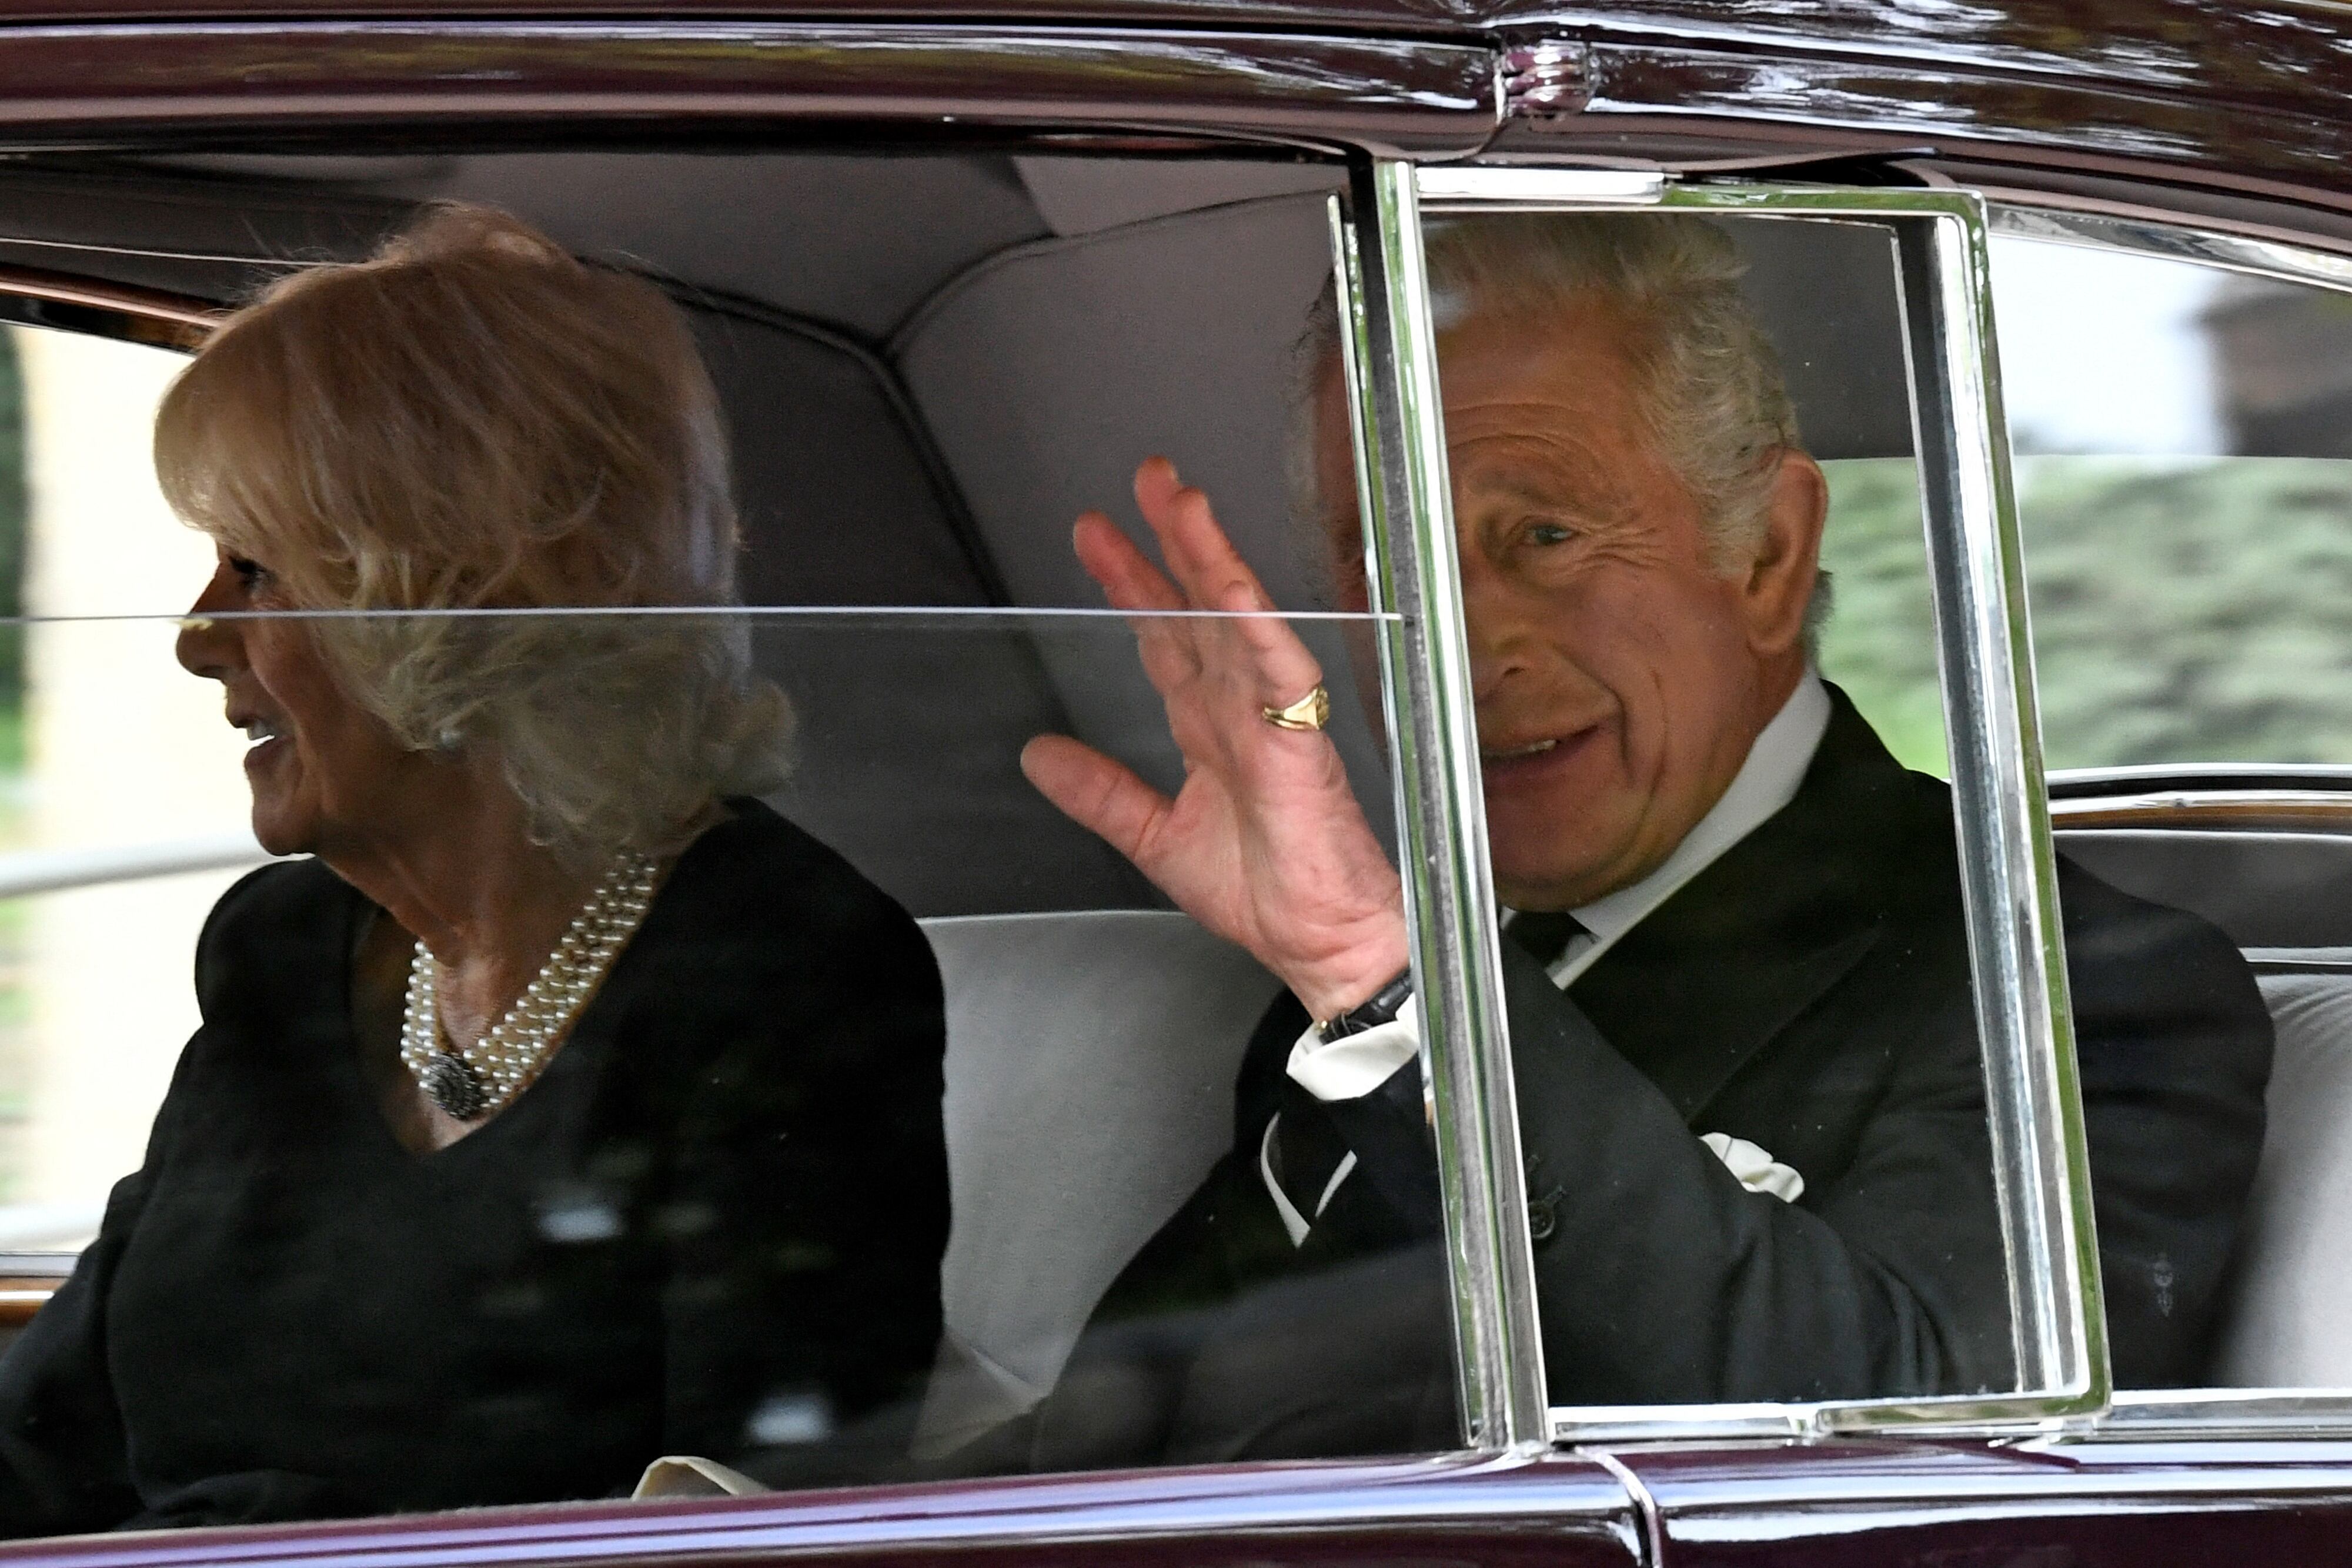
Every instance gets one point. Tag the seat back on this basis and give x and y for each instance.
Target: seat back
(2288, 1321)
(1090, 1070)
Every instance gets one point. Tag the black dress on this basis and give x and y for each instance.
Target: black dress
(713, 1225)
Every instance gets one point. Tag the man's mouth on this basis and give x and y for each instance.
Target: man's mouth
(1533, 761)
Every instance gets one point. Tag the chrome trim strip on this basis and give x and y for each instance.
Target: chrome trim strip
(2080, 782)
(2245, 810)
(2008, 869)
(2009, 880)
(2233, 1412)
(1964, 1416)
(1582, 1424)
(1411, 566)
(1654, 1523)
(36, 1265)
(28, 871)
(33, 298)
(2014, 219)
(1495, 189)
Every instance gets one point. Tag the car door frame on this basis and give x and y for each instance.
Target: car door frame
(2009, 875)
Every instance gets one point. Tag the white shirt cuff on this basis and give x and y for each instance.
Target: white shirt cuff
(1357, 1064)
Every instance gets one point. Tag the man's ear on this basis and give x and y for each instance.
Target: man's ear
(1778, 585)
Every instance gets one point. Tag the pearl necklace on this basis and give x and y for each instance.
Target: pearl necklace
(477, 1079)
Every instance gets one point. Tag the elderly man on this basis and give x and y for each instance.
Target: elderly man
(1749, 1080)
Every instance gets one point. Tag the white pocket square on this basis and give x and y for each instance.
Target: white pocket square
(1757, 1171)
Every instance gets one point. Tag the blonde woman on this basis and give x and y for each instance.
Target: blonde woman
(569, 1107)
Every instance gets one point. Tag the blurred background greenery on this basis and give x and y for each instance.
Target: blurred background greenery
(15, 503)
(2184, 609)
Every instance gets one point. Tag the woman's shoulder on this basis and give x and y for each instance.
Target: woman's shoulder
(770, 940)
(758, 897)
(285, 914)
(272, 939)
(769, 874)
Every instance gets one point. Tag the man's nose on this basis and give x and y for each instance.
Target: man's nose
(1497, 624)
(207, 647)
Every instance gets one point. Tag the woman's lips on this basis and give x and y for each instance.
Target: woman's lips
(264, 736)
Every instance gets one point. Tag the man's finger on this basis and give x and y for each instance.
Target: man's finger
(1130, 581)
(1202, 558)
(1128, 577)
(1100, 795)
(1216, 577)
(1286, 670)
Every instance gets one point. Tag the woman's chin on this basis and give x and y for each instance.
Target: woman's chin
(276, 834)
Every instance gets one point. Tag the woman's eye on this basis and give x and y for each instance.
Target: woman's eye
(251, 573)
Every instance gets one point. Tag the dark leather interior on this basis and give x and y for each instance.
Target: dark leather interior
(2267, 890)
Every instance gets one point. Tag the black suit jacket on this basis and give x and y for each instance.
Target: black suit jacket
(288, 1315)
(1808, 992)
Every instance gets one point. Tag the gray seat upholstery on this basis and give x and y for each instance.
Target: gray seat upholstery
(1089, 1088)
(2288, 1323)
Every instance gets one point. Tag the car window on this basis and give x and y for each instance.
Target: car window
(126, 810)
(2183, 484)
(892, 1112)
(1750, 1080)
(2166, 415)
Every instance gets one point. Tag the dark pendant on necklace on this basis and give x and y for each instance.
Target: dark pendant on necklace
(454, 1086)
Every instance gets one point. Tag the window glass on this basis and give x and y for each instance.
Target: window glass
(895, 1123)
(2183, 482)
(1749, 1077)
(1879, 639)
(2185, 494)
(114, 769)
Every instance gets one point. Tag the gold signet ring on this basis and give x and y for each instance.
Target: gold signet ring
(1312, 711)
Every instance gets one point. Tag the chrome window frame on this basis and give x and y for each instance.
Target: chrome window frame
(2012, 216)
(1387, 345)
(2220, 789)
(1940, 240)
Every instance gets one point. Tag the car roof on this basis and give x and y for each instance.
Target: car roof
(2248, 95)
(2164, 46)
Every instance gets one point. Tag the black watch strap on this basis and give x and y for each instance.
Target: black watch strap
(1383, 1007)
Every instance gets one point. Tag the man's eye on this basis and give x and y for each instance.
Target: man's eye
(1549, 533)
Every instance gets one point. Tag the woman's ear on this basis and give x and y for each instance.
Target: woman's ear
(1778, 587)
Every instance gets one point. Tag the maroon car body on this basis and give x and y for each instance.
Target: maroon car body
(2229, 114)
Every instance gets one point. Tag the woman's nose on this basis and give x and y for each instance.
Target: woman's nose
(206, 647)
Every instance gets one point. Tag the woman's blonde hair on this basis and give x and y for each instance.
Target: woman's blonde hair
(474, 420)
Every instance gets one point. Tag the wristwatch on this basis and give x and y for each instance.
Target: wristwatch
(1383, 1007)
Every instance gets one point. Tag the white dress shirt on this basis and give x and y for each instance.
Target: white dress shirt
(1358, 1064)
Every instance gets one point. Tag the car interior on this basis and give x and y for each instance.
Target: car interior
(931, 363)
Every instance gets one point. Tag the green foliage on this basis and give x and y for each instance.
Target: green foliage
(1880, 642)
(2183, 610)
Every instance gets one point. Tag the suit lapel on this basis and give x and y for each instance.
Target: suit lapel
(1739, 953)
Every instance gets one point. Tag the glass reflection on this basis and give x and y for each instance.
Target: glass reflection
(1750, 1078)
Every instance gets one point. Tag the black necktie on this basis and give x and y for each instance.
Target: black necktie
(1546, 936)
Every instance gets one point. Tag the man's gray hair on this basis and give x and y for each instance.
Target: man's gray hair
(1710, 392)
